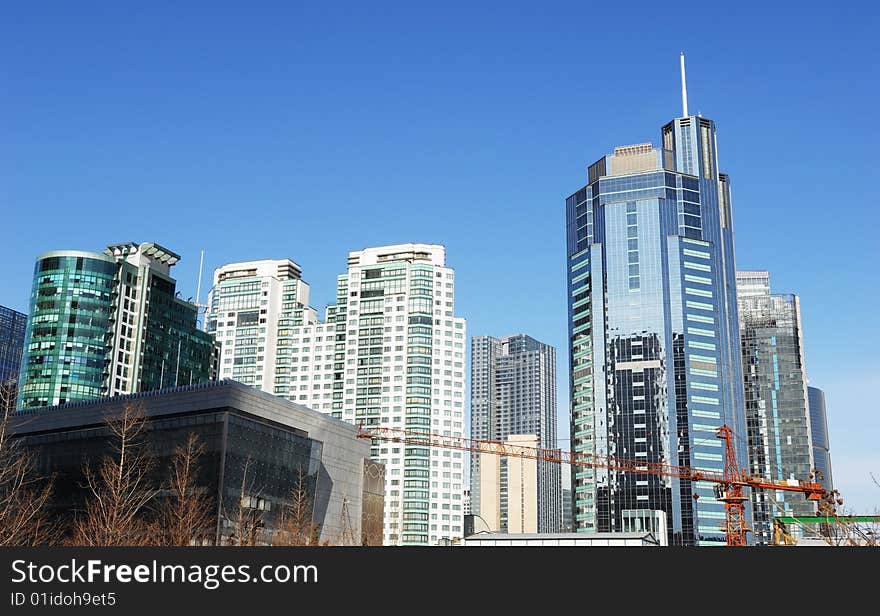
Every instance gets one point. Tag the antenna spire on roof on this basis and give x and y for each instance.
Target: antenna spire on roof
(684, 90)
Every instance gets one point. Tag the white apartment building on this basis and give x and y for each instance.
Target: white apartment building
(390, 354)
(252, 308)
(404, 368)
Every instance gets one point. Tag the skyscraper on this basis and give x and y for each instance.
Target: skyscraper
(252, 307)
(12, 331)
(654, 336)
(404, 368)
(819, 433)
(777, 411)
(390, 353)
(513, 393)
(109, 324)
(567, 523)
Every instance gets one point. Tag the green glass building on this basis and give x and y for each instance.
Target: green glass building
(109, 324)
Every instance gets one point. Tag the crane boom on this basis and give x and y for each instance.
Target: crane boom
(730, 482)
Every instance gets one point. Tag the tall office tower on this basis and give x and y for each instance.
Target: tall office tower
(12, 331)
(567, 522)
(654, 336)
(513, 392)
(109, 324)
(819, 434)
(777, 410)
(252, 309)
(402, 366)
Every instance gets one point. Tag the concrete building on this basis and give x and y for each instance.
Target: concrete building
(582, 540)
(109, 324)
(12, 334)
(252, 308)
(242, 428)
(509, 488)
(390, 353)
(513, 393)
(404, 368)
(775, 387)
(654, 336)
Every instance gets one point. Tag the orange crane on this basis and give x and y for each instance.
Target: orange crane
(729, 483)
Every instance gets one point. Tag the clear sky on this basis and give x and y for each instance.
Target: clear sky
(305, 130)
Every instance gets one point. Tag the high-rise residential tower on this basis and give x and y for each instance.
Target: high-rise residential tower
(777, 410)
(109, 324)
(404, 368)
(513, 392)
(819, 433)
(252, 308)
(653, 330)
(12, 331)
(390, 353)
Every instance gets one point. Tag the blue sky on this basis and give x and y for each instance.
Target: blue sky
(305, 130)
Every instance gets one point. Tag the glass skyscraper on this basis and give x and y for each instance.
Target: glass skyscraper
(777, 411)
(819, 433)
(513, 392)
(655, 365)
(12, 330)
(109, 324)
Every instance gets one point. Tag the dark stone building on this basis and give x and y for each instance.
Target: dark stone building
(280, 443)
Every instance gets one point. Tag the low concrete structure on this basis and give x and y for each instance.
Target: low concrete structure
(584, 540)
(240, 426)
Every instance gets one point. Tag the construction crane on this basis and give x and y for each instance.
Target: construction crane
(729, 484)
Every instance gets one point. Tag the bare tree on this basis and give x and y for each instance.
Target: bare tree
(24, 494)
(184, 512)
(346, 527)
(845, 529)
(295, 523)
(119, 491)
(841, 527)
(247, 518)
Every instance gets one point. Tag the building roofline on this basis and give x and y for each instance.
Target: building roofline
(225, 384)
(239, 264)
(532, 536)
(76, 253)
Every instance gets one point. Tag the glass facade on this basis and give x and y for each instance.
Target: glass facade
(819, 433)
(175, 352)
(13, 325)
(232, 439)
(108, 324)
(777, 411)
(66, 339)
(653, 329)
(513, 392)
